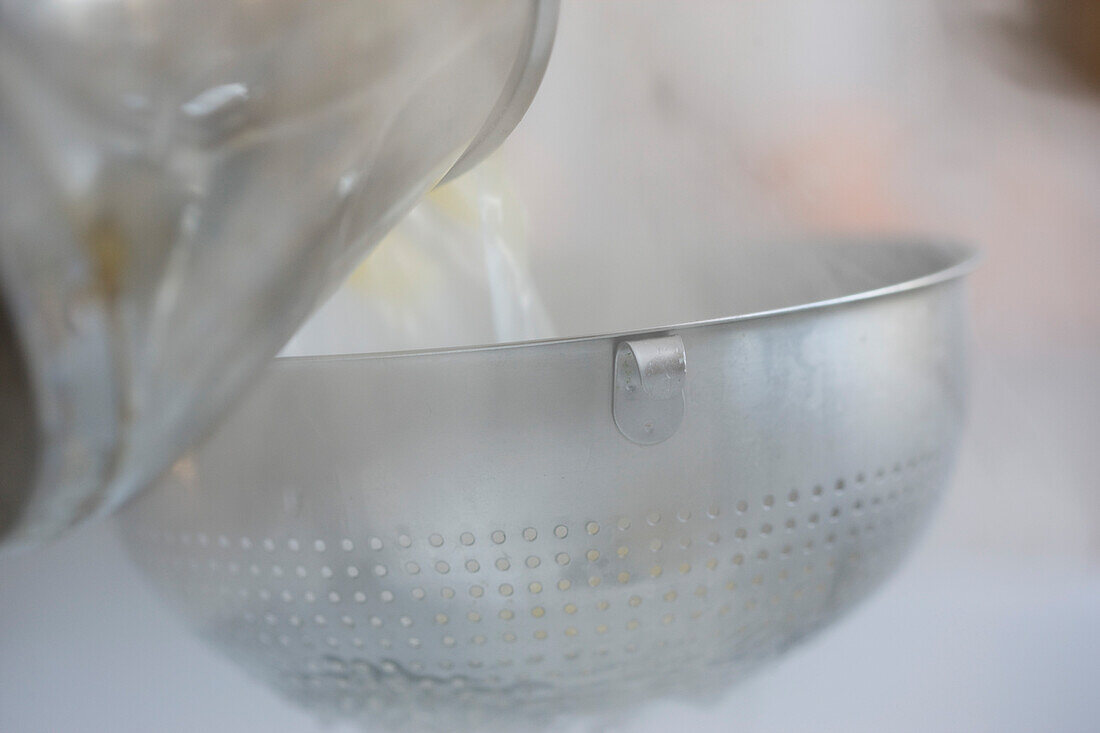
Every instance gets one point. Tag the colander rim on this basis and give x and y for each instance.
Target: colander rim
(963, 260)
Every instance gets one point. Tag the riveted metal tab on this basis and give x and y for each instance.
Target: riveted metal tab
(648, 399)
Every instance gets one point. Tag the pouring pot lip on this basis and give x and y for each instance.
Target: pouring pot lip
(519, 90)
(961, 260)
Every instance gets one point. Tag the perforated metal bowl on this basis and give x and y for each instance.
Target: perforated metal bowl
(452, 536)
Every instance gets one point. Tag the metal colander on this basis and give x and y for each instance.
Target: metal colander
(527, 530)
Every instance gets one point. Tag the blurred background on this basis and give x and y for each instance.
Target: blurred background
(668, 131)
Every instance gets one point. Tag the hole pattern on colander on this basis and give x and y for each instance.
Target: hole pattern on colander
(549, 609)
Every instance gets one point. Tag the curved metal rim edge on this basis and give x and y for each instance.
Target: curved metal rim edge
(967, 259)
(518, 93)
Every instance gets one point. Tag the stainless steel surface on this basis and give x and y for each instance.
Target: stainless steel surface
(519, 90)
(648, 398)
(184, 180)
(443, 537)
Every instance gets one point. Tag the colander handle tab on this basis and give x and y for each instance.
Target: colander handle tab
(648, 398)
